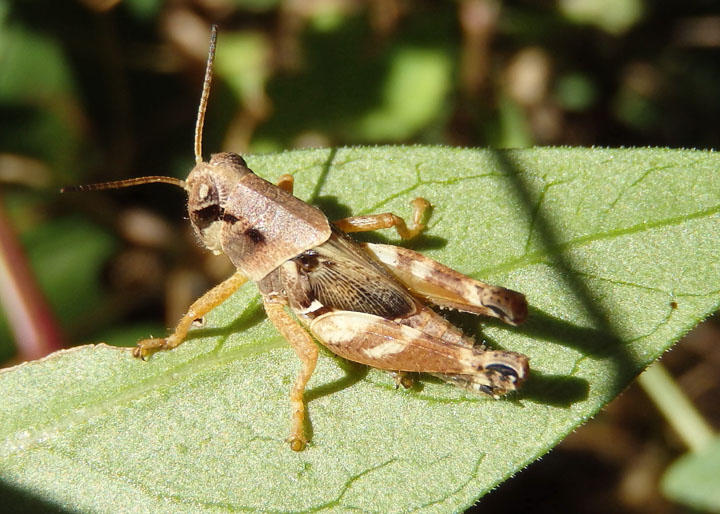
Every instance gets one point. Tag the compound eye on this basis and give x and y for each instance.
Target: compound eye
(204, 204)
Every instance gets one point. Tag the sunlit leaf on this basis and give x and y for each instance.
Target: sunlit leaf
(616, 251)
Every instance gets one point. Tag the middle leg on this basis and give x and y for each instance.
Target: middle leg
(286, 183)
(388, 220)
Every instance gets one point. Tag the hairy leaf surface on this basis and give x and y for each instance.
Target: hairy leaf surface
(616, 251)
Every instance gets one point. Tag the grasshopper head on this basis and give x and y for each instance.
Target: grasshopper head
(209, 185)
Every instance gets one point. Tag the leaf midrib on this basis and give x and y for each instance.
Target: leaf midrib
(544, 254)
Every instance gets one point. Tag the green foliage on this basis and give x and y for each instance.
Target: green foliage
(616, 251)
(575, 92)
(400, 116)
(694, 479)
(37, 97)
(615, 17)
(347, 94)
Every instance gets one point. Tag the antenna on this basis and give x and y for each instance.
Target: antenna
(117, 184)
(205, 94)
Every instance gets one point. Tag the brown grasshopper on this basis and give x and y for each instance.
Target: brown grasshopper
(364, 302)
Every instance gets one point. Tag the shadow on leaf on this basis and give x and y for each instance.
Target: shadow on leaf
(545, 327)
(354, 373)
(18, 500)
(541, 326)
(251, 316)
(419, 244)
(332, 208)
(602, 342)
(555, 390)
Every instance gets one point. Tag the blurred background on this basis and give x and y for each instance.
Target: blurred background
(94, 90)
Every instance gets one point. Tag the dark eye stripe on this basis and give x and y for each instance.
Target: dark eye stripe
(203, 217)
(229, 218)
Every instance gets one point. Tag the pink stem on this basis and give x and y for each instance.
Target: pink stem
(29, 316)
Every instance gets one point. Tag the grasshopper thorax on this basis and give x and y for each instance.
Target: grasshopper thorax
(252, 221)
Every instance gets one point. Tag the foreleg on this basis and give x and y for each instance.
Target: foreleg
(198, 309)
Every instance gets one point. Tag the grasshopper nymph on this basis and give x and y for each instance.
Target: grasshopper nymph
(365, 302)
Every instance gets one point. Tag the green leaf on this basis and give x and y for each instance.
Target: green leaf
(694, 479)
(616, 251)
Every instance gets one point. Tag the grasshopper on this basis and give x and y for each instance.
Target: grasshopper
(365, 302)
